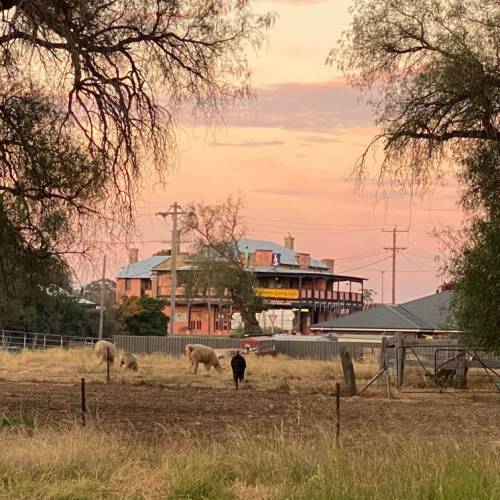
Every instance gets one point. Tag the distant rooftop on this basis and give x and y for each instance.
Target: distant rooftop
(424, 315)
(142, 268)
(288, 257)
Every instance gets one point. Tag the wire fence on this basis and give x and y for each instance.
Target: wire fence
(13, 340)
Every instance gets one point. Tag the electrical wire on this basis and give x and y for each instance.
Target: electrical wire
(365, 266)
(433, 268)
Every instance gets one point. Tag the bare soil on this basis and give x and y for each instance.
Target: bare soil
(154, 411)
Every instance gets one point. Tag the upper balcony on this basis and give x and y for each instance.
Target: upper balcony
(293, 294)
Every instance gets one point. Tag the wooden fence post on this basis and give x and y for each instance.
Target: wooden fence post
(383, 354)
(107, 365)
(400, 360)
(348, 369)
(84, 405)
(337, 432)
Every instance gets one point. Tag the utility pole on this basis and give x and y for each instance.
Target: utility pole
(174, 211)
(394, 249)
(382, 273)
(101, 311)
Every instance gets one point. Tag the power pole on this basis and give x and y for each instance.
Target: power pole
(174, 211)
(394, 249)
(382, 273)
(101, 311)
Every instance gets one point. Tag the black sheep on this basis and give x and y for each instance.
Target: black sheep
(238, 365)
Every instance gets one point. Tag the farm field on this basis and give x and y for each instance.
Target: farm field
(164, 433)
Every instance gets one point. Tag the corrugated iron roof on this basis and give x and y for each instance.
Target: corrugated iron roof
(301, 271)
(143, 268)
(424, 314)
(288, 257)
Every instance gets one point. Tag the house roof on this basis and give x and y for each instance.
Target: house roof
(299, 271)
(143, 268)
(288, 257)
(425, 314)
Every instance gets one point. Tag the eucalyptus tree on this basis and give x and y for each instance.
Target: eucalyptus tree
(431, 71)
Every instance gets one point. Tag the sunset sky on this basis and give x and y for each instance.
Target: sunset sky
(290, 154)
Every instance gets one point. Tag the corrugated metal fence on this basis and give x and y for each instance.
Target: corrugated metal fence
(169, 345)
(303, 349)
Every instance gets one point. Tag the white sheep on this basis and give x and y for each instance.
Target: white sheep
(198, 353)
(103, 349)
(128, 361)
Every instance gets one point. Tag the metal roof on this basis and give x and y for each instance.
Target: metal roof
(288, 257)
(425, 314)
(143, 268)
(435, 309)
(300, 271)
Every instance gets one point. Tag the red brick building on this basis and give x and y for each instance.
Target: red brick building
(289, 280)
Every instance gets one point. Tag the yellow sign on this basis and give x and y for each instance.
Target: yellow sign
(278, 293)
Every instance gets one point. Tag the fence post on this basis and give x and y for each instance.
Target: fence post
(45, 342)
(3, 338)
(62, 344)
(400, 360)
(24, 342)
(348, 369)
(383, 350)
(107, 365)
(337, 397)
(83, 403)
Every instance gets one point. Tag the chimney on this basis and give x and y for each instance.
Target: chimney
(289, 242)
(330, 263)
(133, 255)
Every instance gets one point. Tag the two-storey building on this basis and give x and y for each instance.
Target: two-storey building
(288, 280)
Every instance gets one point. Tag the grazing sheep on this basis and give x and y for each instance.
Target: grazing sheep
(238, 364)
(128, 361)
(198, 353)
(103, 349)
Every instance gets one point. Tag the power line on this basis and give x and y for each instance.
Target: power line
(365, 266)
(414, 261)
(309, 223)
(359, 256)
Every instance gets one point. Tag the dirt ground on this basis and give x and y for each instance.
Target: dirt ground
(153, 411)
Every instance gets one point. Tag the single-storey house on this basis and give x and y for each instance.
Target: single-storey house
(425, 317)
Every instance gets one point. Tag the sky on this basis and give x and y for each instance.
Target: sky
(290, 153)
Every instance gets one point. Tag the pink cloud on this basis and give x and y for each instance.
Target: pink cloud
(315, 107)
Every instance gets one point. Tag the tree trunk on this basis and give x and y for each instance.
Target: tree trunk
(250, 321)
(209, 315)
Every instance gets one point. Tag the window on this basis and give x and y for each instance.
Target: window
(147, 285)
(127, 284)
(195, 323)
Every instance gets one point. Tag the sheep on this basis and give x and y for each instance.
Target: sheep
(103, 349)
(198, 353)
(128, 361)
(238, 364)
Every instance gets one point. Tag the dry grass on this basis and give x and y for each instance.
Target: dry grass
(88, 464)
(61, 365)
(266, 373)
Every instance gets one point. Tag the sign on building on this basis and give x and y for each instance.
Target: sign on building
(278, 293)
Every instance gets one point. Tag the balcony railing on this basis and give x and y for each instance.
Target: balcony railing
(307, 294)
(331, 295)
